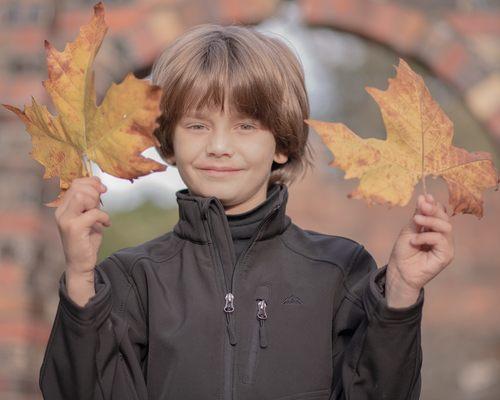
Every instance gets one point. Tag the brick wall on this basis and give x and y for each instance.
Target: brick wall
(461, 45)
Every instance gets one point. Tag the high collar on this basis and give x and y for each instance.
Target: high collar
(197, 211)
(244, 224)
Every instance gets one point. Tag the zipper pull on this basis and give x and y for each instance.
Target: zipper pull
(262, 316)
(261, 309)
(229, 308)
(231, 332)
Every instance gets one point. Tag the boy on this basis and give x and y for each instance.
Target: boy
(236, 302)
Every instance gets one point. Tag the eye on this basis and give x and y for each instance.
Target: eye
(247, 127)
(196, 127)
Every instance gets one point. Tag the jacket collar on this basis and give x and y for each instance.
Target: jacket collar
(197, 211)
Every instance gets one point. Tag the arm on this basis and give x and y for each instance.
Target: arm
(377, 350)
(97, 351)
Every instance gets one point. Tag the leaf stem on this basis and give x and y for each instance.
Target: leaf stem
(88, 166)
(424, 187)
(88, 169)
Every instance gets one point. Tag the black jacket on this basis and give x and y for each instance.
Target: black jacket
(308, 319)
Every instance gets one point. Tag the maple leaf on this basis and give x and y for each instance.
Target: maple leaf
(419, 136)
(112, 135)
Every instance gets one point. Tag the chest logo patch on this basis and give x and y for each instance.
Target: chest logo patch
(292, 299)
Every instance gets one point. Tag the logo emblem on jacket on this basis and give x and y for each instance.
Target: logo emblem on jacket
(292, 299)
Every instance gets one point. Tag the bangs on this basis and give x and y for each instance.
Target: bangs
(218, 77)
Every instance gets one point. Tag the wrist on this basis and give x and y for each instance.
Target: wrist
(78, 273)
(397, 292)
(81, 270)
(80, 286)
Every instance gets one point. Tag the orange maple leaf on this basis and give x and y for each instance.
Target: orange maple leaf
(112, 135)
(419, 136)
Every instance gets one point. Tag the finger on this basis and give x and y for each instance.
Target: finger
(99, 226)
(77, 184)
(432, 208)
(435, 242)
(413, 226)
(95, 181)
(440, 209)
(429, 238)
(80, 202)
(435, 223)
(441, 212)
(91, 217)
(418, 206)
(89, 189)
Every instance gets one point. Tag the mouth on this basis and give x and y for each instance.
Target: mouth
(220, 171)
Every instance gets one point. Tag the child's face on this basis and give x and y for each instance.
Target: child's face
(212, 140)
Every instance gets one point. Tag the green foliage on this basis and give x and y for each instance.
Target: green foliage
(137, 226)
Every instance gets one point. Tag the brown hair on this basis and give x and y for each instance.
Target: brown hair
(261, 75)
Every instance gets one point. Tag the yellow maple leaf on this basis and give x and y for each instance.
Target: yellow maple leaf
(112, 135)
(418, 144)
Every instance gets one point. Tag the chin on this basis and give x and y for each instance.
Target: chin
(224, 191)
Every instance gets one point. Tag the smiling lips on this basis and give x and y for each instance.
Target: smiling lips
(219, 171)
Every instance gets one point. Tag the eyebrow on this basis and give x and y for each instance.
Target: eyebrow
(204, 115)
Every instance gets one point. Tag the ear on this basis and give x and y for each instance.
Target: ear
(170, 160)
(280, 158)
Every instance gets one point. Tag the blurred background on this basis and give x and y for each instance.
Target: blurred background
(344, 45)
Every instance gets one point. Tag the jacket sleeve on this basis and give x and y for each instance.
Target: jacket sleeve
(377, 351)
(98, 352)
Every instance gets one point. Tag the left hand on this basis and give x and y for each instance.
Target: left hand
(417, 258)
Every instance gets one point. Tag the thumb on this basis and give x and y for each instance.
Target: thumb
(412, 226)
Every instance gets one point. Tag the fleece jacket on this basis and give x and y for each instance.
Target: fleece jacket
(302, 316)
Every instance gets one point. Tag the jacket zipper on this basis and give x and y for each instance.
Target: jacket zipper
(229, 297)
(259, 336)
(254, 238)
(261, 317)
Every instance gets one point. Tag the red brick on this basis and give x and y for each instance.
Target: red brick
(450, 60)
(244, 11)
(117, 18)
(12, 304)
(22, 332)
(18, 91)
(337, 14)
(397, 26)
(31, 38)
(475, 22)
(392, 24)
(12, 274)
(24, 222)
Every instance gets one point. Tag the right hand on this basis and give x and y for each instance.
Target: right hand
(80, 223)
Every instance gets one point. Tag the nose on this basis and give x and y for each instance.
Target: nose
(219, 143)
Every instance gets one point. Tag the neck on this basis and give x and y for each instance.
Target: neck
(258, 198)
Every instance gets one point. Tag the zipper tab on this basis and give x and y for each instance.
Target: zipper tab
(231, 332)
(262, 316)
(261, 309)
(229, 306)
(262, 334)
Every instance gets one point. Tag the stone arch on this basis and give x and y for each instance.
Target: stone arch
(458, 46)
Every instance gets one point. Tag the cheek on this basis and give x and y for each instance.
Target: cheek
(185, 149)
(260, 151)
